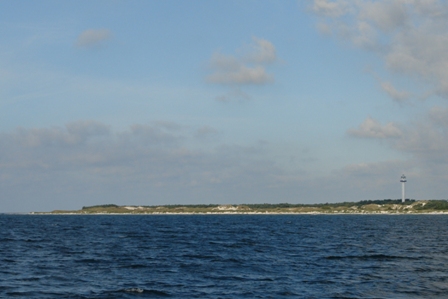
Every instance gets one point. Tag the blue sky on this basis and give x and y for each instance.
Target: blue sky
(184, 102)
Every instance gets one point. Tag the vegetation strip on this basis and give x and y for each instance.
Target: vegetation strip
(386, 206)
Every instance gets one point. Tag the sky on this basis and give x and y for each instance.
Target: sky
(136, 102)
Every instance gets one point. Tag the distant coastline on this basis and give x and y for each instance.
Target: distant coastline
(375, 207)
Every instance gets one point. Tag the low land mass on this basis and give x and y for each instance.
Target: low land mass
(386, 206)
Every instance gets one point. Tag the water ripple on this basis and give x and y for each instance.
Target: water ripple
(294, 256)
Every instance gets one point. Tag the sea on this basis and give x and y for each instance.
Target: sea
(224, 256)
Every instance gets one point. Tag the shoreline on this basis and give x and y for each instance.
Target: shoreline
(230, 213)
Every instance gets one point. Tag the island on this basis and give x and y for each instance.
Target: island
(386, 206)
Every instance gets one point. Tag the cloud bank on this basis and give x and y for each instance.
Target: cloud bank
(85, 162)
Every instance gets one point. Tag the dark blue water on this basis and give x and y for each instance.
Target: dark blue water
(296, 256)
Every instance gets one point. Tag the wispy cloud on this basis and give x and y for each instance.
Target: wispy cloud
(248, 68)
(371, 128)
(409, 35)
(237, 74)
(71, 135)
(397, 95)
(93, 38)
(330, 8)
(261, 51)
(234, 94)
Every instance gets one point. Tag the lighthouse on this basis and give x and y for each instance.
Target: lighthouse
(403, 180)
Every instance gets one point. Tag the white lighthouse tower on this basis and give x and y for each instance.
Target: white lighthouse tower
(403, 180)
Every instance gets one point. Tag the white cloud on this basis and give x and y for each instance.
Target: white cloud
(262, 51)
(371, 128)
(248, 69)
(385, 15)
(93, 37)
(395, 94)
(330, 8)
(241, 76)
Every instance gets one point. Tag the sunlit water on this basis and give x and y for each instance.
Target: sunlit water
(232, 256)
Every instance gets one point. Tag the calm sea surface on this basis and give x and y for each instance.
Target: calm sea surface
(224, 256)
